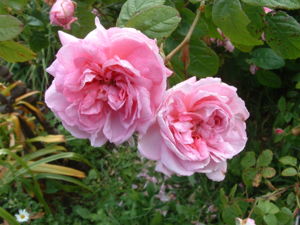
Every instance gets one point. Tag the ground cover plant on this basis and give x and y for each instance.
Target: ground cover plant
(150, 112)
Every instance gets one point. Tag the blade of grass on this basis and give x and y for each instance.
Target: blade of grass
(8, 217)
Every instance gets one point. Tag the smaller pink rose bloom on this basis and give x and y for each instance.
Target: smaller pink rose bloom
(199, 126)
(62, 13)
(267, 10)
(247, 221)
(279, 131)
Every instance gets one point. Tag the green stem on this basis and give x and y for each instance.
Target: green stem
(187, 37)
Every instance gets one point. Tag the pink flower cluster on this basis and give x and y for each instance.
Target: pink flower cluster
(112, 83)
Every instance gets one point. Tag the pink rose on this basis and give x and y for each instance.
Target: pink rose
(279, 131)
(247, 221)
(199, 125)
(62, 13)
(267, 10)
(107, 85)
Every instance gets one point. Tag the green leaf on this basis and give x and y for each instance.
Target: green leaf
(63, 178)
(267, 59)
(268, 78)
(248, 176)
(230, 213)
(265, 158)
(285, 216)
(203, 60)
(288, 160)
(223, 198)
(42, 152)
(232, 20)
(38, 41)
(267, 207)
(86, 20)
(3, 9)
(281, 104)
(157, 219)
(232, 191)
(268, 172)
(10, 27)
(289, 172)
(14, 52)
(133, 7)
(8, 217)
(282, 4)
(270, 219)
(256, 15)
(156, 22)
(65, 155)
(248, 160)
(283, 34)
(16, 4)
(83, 212)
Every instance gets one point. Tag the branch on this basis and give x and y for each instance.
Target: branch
(187, 37)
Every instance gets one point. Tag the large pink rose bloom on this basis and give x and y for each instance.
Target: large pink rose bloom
(107, 85)
(62, 13)
(199, 125)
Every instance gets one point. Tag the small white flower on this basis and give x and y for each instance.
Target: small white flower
(23, 216)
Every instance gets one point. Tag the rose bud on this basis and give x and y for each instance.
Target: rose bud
(62, 13)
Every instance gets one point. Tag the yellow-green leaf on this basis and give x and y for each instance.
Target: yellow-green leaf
(12, 51)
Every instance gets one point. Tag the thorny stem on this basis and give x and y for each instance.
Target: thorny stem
(267, 196)
(188, 36)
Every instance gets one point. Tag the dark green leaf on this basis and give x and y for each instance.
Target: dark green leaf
(203, 60)
(86, 20)
(10, 27)
(249, 175)
(281, 104)
(156, 22)
(63, 178)
(248, 160)
(38, 41)
(232, 20)
(270, 219)
(14, 52)
(285, 216)
(283, 34)
(133, 7)
(157, 219)
(268, 78)
(230, 213)
(267, 59)
(282, 4)
(256, 25)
